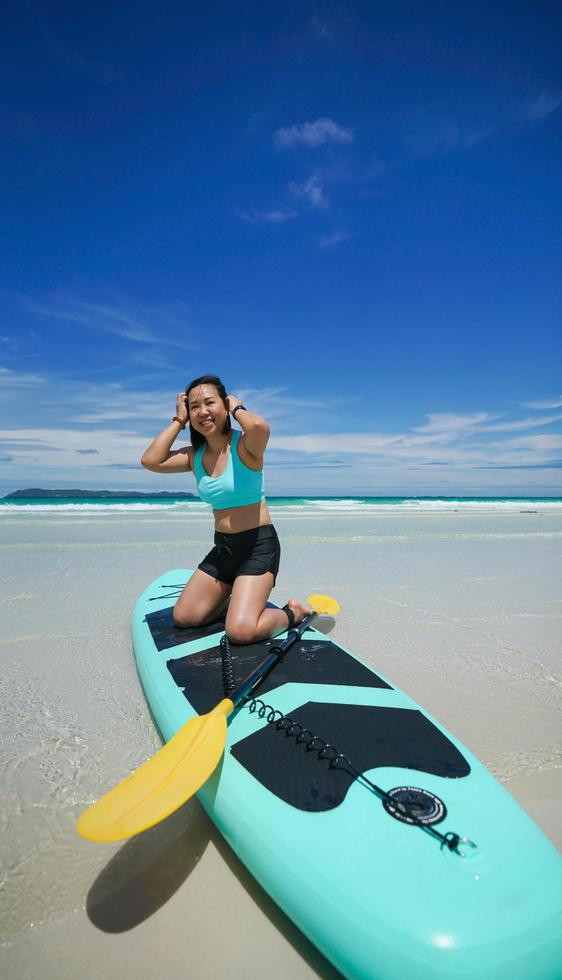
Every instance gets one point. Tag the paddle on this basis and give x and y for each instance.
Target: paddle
(175, 773)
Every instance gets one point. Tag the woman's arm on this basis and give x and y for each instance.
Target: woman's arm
(159, 457)
(255, 430)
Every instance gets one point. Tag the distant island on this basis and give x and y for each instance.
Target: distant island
(34, 492)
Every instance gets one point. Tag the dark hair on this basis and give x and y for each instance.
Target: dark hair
(197, 439)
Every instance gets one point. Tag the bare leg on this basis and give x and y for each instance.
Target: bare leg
(247, 619)
(201, 600)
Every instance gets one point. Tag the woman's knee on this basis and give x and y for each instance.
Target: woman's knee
(185, 617)
(240, 630)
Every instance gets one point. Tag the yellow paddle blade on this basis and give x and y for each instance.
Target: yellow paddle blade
(163, 782)
(324, 605)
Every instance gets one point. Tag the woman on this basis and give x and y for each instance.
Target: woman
(228, 467)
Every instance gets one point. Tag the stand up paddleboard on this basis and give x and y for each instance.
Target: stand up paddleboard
(474, 892)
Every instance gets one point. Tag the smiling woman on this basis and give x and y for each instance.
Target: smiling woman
(240, 570)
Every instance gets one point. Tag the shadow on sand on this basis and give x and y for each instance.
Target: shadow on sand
(144, 873)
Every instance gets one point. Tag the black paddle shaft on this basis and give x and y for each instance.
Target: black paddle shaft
(274, 656)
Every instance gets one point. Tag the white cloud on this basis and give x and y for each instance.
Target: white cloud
(312, 191)
(86, 432)
(11, 379)
(110, 415)
(330, 241)
(520, 424)
(541, 106)
(10, 342)
(549, 403)
(245, 216)
(110, 446)
(276, 216)
(312, 134)
(430, 132)
(447, 422)
(125, 319)
(542, 443)
(403, 450)
(431, 136)
(482, 422)
(276, 404)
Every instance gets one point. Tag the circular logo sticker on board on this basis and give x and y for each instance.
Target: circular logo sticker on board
(412, 803)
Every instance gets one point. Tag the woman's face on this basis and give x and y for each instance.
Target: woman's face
(207, 411)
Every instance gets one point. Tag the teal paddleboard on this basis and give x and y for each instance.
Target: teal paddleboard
(380, 896)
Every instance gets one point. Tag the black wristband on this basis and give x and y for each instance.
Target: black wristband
(234, 410)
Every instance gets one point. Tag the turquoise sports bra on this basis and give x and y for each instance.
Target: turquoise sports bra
(237, 486)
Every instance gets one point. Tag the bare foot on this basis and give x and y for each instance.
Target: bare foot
(299, 610)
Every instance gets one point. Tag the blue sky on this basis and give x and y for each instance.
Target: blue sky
(350, 211)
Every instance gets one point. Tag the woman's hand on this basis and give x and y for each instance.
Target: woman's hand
(232, 401)
(181, 407)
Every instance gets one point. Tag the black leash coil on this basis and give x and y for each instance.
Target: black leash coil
(325, 751)
(228, 679)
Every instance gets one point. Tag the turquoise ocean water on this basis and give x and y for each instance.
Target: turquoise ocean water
(287, 505)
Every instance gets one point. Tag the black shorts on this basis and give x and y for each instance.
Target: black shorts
(250, 552)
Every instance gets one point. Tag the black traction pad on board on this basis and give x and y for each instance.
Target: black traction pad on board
(166, 634)
(370, 736)
(307, 662)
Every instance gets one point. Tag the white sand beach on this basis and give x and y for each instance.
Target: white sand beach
(461, 610)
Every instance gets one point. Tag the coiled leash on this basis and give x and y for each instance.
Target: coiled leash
(325, 752)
